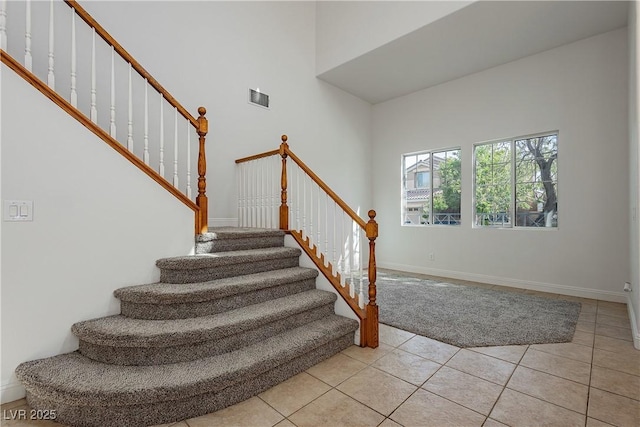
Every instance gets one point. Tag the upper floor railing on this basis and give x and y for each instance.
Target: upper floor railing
(276, 193)
(108, 91)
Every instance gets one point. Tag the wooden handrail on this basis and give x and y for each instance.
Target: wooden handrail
(285, 149)
(368, 315)
(354, 216)
(34, 81)
(86, 17)
(258, 156)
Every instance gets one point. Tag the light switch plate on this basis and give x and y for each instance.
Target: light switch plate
(18, 210)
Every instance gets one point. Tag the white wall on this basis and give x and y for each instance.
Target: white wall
(89, 235)
(210, 53)
(98, 224)
(634, 163)
(348, 29)
(579, 89)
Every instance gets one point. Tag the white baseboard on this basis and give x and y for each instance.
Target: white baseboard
(514, 283)
(634, 323)
(223, 222)
(11, 391)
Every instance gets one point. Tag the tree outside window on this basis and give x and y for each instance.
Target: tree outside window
(515, 182)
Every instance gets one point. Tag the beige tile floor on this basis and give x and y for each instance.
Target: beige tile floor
(410, 380)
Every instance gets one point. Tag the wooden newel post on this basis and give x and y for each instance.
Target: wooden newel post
(201, 200)
(371, 321)
(284, 209)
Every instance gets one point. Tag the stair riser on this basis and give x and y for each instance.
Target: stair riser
(185, 352)
(223, 271)
(198, 309)
(226, 245)
(189, 407)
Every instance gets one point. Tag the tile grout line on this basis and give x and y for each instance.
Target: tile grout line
(504, 387)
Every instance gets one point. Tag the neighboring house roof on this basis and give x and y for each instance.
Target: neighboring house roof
(418, 194)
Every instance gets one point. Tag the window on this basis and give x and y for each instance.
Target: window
(423, 179)
(516, 182)
(431, 188)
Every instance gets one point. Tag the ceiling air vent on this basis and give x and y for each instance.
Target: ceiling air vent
(258, 98)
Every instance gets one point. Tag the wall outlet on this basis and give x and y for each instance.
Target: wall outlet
(432, 257)
(627, 287)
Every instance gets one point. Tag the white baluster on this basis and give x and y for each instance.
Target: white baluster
(269, 192)
(161, 166)
(175, 147)
(335, 240)
(257, 193)
(130, 114)
(3, 24)
(311, 235)
(73, 97)
(360, 248)
(245, 193)
(239, 191)
(299, 201)
(275, 184)
(112, 108)
(352, 259)
(240, 195)
(94, 111)
(189, 159)
(249, 193)
(28, 59)
(304, 205)
(51, 79)
(254, 194)
(318, 251)
(261, 193)
(145, 153)
(264, 183)
(343, 279)
(326, 227)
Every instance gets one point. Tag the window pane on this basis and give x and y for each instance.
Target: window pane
(536, 183)
(446, 187)
(431, 196)
(416, 187)
(493, 184)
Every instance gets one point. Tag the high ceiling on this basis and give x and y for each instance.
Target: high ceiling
(480, 36)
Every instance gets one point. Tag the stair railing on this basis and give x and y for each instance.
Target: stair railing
(274, 193)
(171, 123)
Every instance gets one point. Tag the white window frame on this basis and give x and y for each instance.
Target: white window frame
(512, 199)
(403, 201)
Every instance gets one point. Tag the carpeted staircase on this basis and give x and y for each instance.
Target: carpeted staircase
(221, 326)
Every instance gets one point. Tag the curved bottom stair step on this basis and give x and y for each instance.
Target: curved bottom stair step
(88, 393)
(123, 341)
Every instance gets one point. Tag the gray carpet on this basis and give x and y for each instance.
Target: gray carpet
(219, 328)
(467, 316)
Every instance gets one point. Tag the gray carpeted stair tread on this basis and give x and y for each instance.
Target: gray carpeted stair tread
(121, 331)
(194, 262)
(220, 233)
(234, 239)
(171, 293)
(76, 380)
